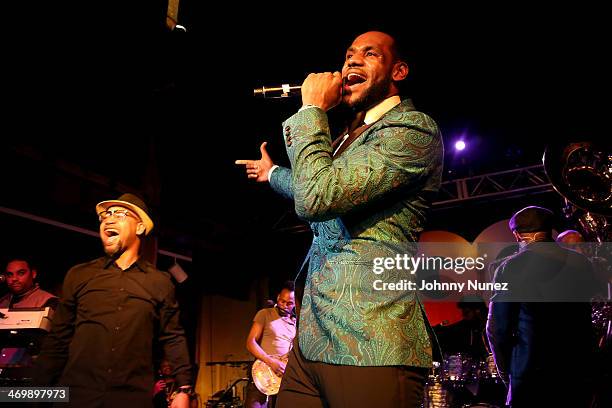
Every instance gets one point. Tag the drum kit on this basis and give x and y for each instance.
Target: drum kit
(458, 381)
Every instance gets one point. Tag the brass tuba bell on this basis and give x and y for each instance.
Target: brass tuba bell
(582, 173)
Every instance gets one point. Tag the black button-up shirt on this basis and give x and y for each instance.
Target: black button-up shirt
(104, 329)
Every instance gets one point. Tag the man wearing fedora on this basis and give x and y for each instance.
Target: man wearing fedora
(539, 328)
(113, 311)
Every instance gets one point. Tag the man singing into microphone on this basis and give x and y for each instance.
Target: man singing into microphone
(366, 195)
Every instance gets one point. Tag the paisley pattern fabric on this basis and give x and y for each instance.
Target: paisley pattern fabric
(281, 182)
(370, 201)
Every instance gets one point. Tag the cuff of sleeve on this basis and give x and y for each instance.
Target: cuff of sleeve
(270, 171)
(308, 106)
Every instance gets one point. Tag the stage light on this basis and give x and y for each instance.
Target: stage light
(459, 145)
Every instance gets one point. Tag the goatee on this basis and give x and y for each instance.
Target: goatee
(115, 250)
(372, 96)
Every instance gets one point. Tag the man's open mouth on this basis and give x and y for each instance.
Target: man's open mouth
(112, 235)
(354, 78)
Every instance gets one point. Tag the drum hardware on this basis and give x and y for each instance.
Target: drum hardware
(436, 395)
(458, 380)
(488, 367)
(601, 314)
(228, 398)
(459, 368)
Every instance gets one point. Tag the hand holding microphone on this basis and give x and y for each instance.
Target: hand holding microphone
(323, 90)
(287, 90)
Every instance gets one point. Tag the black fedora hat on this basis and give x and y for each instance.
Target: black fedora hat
(133, 203)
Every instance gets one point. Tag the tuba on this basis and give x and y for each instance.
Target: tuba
(581, 172)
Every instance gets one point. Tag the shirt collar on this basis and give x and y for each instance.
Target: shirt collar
(140, 263)
(376, 112)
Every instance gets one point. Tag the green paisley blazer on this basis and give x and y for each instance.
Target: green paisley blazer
(370, 201)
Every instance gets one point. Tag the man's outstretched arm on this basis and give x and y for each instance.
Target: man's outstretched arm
(264, 170)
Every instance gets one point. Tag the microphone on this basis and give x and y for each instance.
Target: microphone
(283, 91)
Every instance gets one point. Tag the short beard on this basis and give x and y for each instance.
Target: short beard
(372, 96)
(116, 250)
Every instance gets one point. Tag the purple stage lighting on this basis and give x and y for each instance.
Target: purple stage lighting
(459, 145)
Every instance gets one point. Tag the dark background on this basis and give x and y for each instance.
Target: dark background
(101, 97)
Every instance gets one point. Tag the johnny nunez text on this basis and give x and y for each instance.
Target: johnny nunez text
(405, 284)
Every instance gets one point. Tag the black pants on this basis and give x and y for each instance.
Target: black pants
(311, 384)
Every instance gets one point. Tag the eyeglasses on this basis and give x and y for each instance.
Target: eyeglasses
(119, 214)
